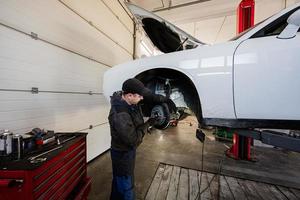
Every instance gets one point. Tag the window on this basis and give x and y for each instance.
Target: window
(275, 27)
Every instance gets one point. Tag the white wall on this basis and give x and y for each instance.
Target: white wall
(77, 41)
(213, 30)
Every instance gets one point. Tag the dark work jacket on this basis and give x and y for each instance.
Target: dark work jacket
(127, 125)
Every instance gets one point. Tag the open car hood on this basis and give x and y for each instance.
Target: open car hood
(164, 35)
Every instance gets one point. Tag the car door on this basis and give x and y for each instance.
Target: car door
(267, 74)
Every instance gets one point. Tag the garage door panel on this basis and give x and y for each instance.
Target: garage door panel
(28, 101)
(55, 23)
(25, 110)
(52, 121)
(52, 69)
(119, 11)
(104, 20)
(98, 141)
(95, 112)
(51, 111)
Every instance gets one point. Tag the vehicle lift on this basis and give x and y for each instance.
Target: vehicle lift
(241, 147)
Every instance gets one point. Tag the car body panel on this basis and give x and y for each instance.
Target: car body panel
(270, 88)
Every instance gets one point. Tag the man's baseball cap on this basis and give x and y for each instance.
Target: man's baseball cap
(135, 86)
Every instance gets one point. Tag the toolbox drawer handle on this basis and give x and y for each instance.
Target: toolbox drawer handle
(10, 182)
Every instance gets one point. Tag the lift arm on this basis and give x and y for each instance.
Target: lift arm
(274, 138)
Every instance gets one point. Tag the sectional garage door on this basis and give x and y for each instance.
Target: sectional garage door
(52, 58)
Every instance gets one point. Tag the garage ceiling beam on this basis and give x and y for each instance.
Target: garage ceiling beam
(180, 5)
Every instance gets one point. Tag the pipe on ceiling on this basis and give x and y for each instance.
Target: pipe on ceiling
(180, 5)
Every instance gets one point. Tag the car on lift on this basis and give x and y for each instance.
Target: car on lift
(250, 81)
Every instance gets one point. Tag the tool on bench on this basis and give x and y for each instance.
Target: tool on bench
(15, 146)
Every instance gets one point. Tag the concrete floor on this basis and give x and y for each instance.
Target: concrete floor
(179, 146)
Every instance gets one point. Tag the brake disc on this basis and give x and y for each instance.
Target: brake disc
(163, 118)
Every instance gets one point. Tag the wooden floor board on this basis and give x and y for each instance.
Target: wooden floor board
(151, 194)
(251, 185)
(214, 185)
(235, 187)
(204, 188)
(264, 191)
(250, 194)
(276, 192)
(176, 183)
(193, 184)
(296, 192)
(225, 192)
(173, 187)
(164, 184)
(287, 193)
(183, 190)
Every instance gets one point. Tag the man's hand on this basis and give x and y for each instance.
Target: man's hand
(152, 121)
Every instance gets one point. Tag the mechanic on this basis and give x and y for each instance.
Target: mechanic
(128, 128)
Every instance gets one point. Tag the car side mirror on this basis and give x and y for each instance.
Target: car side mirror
(292, 28)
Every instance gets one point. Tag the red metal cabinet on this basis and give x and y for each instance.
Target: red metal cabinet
(62, 176)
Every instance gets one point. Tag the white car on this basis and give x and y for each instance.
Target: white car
(251, 81)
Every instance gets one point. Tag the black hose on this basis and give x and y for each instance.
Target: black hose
(209, 183)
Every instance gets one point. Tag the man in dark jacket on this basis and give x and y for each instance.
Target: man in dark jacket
(127, 131)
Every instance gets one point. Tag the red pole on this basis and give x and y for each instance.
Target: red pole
(245, 15)
(245, 19)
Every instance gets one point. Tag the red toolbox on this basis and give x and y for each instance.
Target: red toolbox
(54, 172)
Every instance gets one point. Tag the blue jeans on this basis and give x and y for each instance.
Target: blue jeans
(122, 188)
(123, 163)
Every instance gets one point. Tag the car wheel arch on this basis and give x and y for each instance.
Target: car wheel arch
(181, 80)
